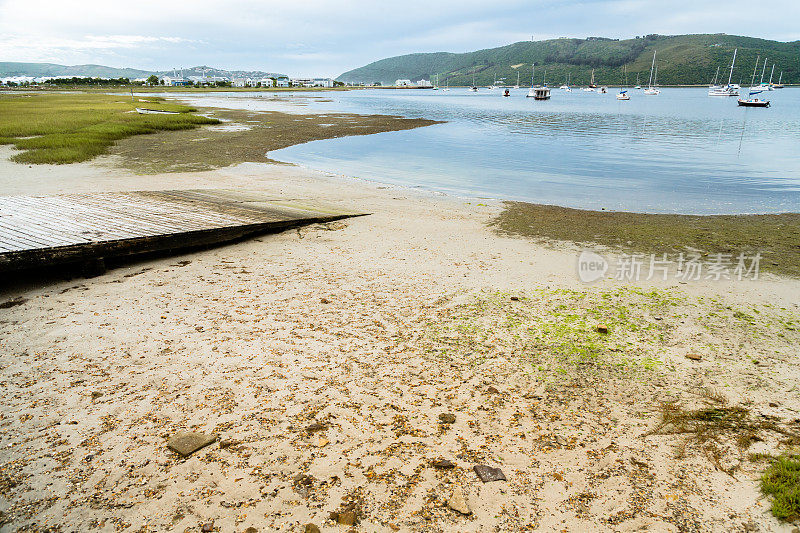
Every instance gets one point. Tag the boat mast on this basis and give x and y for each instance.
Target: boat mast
(716, 76)
(780, 78)
(755, 68)
(533, 72)
(771, 73)
(730, 77)
(650, 83)
(763, 70)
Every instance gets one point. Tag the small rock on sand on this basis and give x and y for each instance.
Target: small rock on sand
(207, 527)
(488, 473)
(316, 426)
(347, 518)
(444, 464)
(601, 328)
(694, 356)
(447, 418)
(311, 528)
(188, 442)
(458, 502)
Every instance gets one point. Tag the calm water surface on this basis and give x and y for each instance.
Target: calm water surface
(681, 151)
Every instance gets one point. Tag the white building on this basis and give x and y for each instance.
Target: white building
(242, 82)
(402, 83)
(323, 82)
(266, 82)
(424, 83)
(283, 81)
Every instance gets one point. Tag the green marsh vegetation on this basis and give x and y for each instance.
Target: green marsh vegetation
(777, 236)
(781, 482)
(70, 128)
(555, 331)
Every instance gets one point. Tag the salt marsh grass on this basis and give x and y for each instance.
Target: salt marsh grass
(75, 127)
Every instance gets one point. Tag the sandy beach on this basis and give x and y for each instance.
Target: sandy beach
(323, 360)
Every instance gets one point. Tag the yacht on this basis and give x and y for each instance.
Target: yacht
(652, 90)
(731, 89)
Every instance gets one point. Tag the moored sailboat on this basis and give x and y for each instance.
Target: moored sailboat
(651, 89)
(754, 102)
(730, 89)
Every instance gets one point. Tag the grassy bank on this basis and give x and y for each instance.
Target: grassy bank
(70, 128)
(777, 237)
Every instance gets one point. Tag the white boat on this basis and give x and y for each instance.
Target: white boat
(731, 89)
(145, 111)
(517, 85)
(652, 90)
(531, 91)
(637, 82)
(540, 93)
(474, 87)
(623, 93)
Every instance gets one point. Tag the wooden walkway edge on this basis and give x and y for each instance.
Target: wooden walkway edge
(37, 231)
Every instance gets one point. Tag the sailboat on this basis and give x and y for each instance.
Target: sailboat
(713, 85)
(532, 91)
(446, 84)
(474, 87)
(651, 89)
(637, 82)
(730, 89)
(493, 86)
(566, 86)
(779, 85)
(436, 84)
(761, 84)
(517, 85)
(754, 102)
(623, 93)
(591, 88)
(769, 84)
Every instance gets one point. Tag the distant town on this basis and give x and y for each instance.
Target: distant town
(179, 80)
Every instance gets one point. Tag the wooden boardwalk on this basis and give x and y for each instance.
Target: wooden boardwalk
(80, 228)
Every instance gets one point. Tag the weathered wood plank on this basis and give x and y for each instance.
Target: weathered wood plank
(42, 230)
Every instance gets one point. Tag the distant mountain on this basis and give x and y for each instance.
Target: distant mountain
(681, 59)
(9, 69)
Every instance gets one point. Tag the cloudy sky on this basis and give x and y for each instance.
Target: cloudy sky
(314, 37)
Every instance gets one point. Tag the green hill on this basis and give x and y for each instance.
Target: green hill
(682, 60)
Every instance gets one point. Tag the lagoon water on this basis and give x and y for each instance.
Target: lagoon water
(679, 152)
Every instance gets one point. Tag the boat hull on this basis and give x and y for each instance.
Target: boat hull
(753, 103)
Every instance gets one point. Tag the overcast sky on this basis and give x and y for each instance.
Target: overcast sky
(326, 38)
